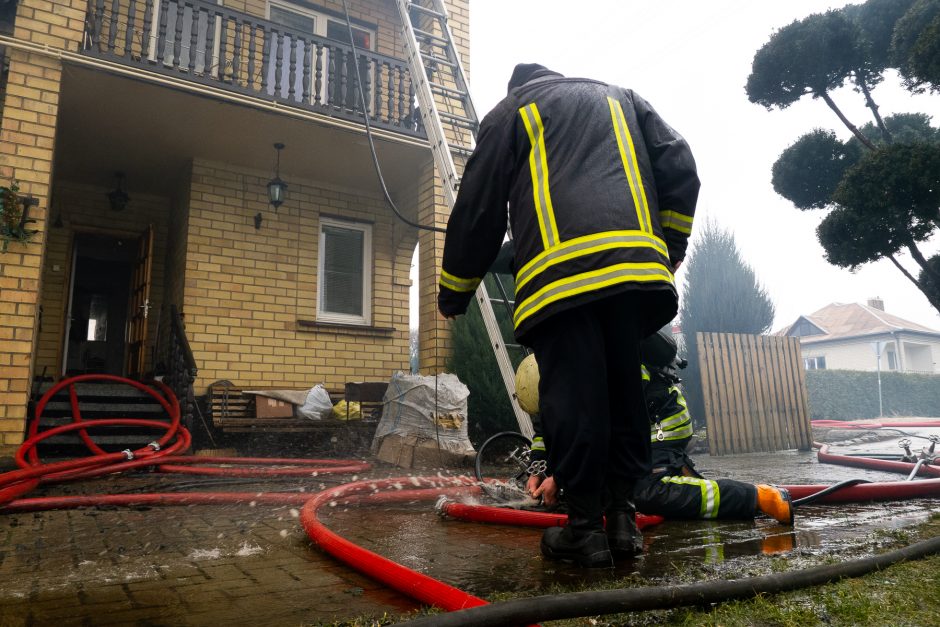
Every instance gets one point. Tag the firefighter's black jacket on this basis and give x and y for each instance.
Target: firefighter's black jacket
(600, 192)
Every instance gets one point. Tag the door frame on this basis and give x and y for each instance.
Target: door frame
(77, 230)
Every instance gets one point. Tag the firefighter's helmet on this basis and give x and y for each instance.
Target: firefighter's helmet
(527, 385)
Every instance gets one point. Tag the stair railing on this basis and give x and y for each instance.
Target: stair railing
(177, 364)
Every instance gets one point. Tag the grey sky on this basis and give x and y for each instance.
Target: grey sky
(691, 59)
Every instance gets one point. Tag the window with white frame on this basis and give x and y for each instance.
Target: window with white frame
(344, 272)
(306, 20)
(814, 363)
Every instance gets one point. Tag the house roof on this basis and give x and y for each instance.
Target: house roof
(848, 320)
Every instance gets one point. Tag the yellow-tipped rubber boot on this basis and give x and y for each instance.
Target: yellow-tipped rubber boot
(775, 502)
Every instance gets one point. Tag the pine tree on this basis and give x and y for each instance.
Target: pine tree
(721, 295)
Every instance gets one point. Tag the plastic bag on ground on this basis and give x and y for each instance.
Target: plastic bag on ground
(318, 405)
(347, 411)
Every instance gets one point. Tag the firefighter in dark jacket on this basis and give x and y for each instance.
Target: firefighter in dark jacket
(674, 488)
(600, 193)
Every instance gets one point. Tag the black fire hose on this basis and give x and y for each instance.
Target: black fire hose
(806, 500)
(577, 604)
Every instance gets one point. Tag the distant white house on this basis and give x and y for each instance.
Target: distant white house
(853, 336)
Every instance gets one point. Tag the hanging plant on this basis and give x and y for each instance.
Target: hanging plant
(13, 217)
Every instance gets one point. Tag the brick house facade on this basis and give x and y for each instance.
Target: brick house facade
(186, 101)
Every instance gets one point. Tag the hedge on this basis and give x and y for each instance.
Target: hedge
(853, 395)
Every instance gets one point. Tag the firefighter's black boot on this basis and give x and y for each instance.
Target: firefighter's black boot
(623, 536)
(583, 540)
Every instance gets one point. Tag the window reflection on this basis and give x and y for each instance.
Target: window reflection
(98, 319)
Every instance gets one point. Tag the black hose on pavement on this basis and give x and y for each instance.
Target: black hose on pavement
(594, 603)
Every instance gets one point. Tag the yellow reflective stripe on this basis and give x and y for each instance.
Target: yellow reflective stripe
(676, 221)
(458, 284)
(586, 245)
(538, 444)
(538, 164)
(630, 168)
(675, 420)
(590, 281)
(711, 497)
(644, 373)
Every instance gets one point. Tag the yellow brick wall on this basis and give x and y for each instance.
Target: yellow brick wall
(435, 334)
(27, 138)
(177, 240)
(246, 289)
(85, 209)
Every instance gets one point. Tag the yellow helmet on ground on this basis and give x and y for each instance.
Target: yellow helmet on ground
(527, 385)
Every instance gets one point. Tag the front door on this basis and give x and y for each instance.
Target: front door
(139, 307)
(108, 305)
(95, 338)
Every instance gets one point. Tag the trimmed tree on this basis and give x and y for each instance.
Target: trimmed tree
(915, 46)
(882, 185)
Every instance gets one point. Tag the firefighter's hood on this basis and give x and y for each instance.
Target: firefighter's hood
(525, 72)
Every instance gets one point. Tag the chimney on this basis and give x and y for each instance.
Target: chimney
(876, 303)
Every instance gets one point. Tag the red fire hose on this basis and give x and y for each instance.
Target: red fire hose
(162, 456)
(507, 516)
(842, 424)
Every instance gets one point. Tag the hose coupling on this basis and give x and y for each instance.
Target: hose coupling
(538, 467)
(128, 453)
(154, 445)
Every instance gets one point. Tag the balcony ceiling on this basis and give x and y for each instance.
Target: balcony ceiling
(111, 123)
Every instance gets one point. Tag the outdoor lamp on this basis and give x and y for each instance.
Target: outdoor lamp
(118, 197)
(277, 188)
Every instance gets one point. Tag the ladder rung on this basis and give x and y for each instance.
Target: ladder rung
(431, 38)
(457, 118)
(461, 151)
(443, 90)
(425, 10)
(441, 61)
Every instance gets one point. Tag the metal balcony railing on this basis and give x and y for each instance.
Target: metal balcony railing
(208, 44)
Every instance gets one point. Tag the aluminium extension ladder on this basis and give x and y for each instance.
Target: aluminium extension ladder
(450, 120)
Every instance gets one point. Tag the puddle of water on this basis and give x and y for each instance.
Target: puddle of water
(484, 559)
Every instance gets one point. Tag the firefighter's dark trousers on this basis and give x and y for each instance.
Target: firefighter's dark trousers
(681, 497)
(591, 403)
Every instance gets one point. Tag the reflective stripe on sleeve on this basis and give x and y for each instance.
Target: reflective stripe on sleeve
(458, 284)
(538, 444)
(588, 282)
(711, 498)
(538, 164)
(676, 221)
(675, 427)
(587, 245)
(630, 168)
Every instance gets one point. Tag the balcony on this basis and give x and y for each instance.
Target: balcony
(209, 45)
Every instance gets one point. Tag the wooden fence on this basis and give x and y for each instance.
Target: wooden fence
(754, 391)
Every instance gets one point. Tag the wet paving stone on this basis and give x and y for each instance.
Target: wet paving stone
(244, 565)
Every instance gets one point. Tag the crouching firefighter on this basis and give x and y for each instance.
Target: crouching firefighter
(675, 489)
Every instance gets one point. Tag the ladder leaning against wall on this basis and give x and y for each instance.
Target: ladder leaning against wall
(451, 123)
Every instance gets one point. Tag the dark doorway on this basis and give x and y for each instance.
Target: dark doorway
(96, 340)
